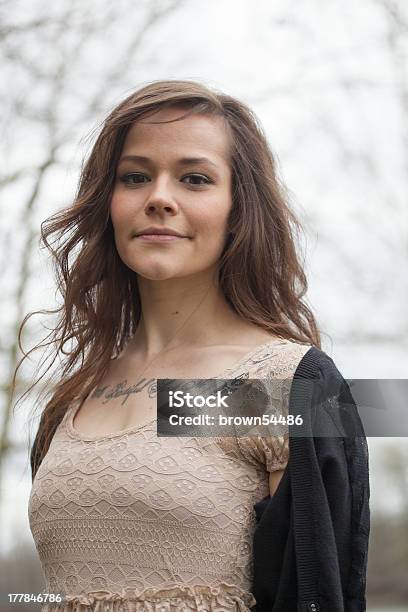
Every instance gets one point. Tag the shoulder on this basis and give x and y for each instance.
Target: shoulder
(319, 382)
(325, 378)
(316, 363)
(277, 359)
(289, 359)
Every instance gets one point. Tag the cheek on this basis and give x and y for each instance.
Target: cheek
(120, 212)
(212, 218)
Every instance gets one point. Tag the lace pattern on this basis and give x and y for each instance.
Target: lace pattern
(133, 522)
(176, 599)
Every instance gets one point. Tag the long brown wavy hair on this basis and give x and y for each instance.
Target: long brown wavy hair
(260, 272)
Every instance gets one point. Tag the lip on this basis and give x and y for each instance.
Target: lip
(160, 237)
(154, 230)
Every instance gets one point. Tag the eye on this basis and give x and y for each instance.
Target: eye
(198, 177)
(131, 178)
(136, 178)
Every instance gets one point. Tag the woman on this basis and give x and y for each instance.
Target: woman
(176, 260)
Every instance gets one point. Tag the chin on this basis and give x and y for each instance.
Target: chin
(155, 277)
(155, 272)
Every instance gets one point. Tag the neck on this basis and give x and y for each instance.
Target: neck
(182, 312)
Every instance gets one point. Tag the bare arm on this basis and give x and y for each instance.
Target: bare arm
(274, 479)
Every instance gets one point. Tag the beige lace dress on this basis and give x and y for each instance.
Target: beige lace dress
(131, 522)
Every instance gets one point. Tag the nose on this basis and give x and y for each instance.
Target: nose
(160, 198)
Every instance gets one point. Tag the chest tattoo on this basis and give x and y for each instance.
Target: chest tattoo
(123, 389)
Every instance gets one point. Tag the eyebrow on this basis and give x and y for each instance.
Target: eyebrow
(186, 161)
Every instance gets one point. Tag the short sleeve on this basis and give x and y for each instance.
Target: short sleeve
(270, 452)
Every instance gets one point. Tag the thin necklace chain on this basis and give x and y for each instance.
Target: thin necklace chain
(171, 339)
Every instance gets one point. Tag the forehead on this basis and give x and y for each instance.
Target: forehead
(195, 134)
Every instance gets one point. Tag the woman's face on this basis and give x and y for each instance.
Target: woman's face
(174, 176)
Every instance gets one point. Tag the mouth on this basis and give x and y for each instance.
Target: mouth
(160, 237)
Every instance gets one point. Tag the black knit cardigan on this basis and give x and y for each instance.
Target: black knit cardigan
(311, 537)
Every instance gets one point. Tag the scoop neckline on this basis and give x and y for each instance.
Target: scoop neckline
(71, 413)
